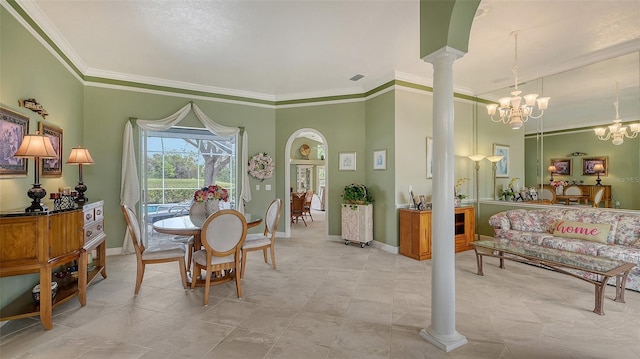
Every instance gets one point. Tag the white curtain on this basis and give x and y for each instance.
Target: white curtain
(130, 184)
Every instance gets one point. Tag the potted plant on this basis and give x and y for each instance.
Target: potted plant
(357, 214)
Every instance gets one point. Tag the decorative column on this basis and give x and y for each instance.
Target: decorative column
(442, 331)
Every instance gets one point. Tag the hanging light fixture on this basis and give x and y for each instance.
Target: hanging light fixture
(512, 112)
(617, 131)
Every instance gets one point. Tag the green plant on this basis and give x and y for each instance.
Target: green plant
(355, 194)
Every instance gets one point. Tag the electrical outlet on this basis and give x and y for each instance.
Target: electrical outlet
(257, 187)
(267, 187)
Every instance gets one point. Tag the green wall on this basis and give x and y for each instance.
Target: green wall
(28, 70)
(624, 170)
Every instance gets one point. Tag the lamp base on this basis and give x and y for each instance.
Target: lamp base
(36, 193)
(81, 199)
(598, 181)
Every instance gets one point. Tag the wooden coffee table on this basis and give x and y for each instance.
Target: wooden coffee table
(559, 261)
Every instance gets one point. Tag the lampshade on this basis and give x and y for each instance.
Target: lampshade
(552, 169)
(80, 156)
(598, 168)
(494, 159)
(35, 146)
(476, 158)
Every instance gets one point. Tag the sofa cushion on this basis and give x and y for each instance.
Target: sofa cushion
(573, 245)
(533, 221)
(628, 232)
(593, 215)
(581, 230)
(520, 236)
(621, 253)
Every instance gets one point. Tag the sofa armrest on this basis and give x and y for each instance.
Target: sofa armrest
(500, 221)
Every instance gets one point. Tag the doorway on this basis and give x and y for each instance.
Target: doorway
(306, 172)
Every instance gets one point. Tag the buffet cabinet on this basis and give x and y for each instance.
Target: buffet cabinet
(47, 242)
(415, 232)
(590, 191)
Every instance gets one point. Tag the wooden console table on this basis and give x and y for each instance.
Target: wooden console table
(415, 232)
(42, 242)
(589, 191)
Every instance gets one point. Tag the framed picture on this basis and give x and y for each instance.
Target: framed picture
(502, 166)
(347, 161)
(52, 167)
(13, 127)
(429, 157)
(589, 164)
(563, 166)
(380, 160)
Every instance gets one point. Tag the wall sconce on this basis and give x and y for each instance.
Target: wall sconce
(598, 168)
(552, 169)
(36, 146)
(80, 156)
(494, 162)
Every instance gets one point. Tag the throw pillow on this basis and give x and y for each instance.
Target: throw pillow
(581, 230)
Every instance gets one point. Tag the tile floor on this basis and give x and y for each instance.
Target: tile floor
(328, 300)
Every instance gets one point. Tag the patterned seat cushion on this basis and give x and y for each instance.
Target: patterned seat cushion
(628, 232)
(573, 245)
(621, 253)
(520, 236)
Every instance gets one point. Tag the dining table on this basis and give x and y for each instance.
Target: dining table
(572, 198)
(182, 226)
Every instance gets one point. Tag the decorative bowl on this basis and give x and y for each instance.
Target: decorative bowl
(35, 292)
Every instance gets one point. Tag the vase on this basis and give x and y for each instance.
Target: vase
(211, 206)
(197, 213)
(456, 202)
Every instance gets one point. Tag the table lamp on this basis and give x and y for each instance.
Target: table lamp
(80, 156)
(36, 146)
(598, 168)
(552, 169)
(494, 161)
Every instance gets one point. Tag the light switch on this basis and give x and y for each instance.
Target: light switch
(267, 187)
(257, 187)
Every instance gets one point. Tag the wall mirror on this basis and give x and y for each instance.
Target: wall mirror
(581, 99)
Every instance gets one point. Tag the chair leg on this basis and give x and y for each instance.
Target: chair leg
(190, 249)
(183, 272)
(238, 282)
(207, 285)
(194, 278)
(273, 256)
(244, 263)
(139, 276)
(264, 253)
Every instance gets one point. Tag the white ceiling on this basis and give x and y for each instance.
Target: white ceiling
(280, 50)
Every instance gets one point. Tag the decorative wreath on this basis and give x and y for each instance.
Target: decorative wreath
(261, 166)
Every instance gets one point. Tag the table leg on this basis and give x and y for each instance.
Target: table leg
(479, 261)
(82, 277)
(501, 254)
(600, 287)
(621, 282)
(46, 303)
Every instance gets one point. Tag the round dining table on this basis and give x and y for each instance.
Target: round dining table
(182, 226)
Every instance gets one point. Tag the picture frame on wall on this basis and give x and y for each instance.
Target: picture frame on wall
(588, 165)
(563, 166)
(51, 167)
(347, 161)
(13, 127)
(380, 160)
(502, 166)
(429, 157)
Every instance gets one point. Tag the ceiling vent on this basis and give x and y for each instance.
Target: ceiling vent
(357, 77)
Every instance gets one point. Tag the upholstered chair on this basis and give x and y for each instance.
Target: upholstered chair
(267, 239)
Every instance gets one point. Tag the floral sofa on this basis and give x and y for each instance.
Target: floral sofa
(537, 227)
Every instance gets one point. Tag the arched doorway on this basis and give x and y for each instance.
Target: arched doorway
(311, 159)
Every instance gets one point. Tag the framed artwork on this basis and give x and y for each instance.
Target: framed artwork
(52, 167)
(347, 161)
(13, 127)
(429, 157)
(563, 166)
(502, 166)
(588, 166)
(380, 160)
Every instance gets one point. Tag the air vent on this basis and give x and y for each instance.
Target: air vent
(357, 77)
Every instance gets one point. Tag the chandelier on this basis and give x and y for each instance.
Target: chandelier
(617, 130)
(511, 111)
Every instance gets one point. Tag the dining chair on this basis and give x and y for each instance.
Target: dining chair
(266, 240)
(306, 207)
(548, 194)
(162, 252)
(598, 198)
(573, 191)
(297, 207)
(223, 235)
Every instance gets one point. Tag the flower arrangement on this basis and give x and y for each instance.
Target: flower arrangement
(355, 194)
(261, 166)
(558, 183)
(459, 184)
(210, 193)
(509, 191)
